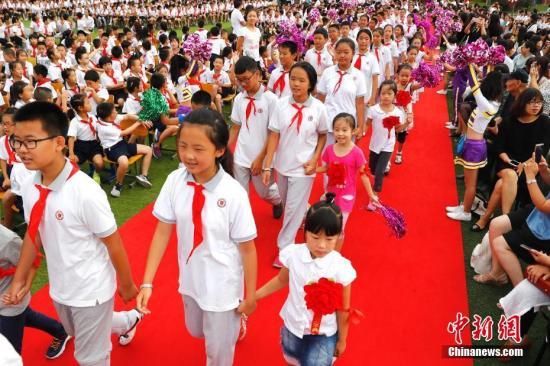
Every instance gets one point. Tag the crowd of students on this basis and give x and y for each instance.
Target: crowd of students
(298, 106)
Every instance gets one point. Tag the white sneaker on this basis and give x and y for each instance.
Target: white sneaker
(454, 208)
(451, 126)
(143, 181)
(442, 91)
(126, 338)
(115, 192)
(398, 158)
(460, 215)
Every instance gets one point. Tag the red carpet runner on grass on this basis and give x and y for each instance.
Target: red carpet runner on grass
(408, 289)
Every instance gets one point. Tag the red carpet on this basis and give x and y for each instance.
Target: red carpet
(409, 289)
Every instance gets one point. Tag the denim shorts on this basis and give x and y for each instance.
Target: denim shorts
(312, 350)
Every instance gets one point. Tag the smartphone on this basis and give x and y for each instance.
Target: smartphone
(514, 163)
(529, 249)
(538, 152)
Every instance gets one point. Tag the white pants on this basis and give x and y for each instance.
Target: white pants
(269, 193)
(220, 331)
(91, 329)
(295, 193)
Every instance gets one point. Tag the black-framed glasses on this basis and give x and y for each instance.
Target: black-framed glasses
(29, 144)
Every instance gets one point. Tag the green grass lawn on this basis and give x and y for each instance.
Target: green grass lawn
(482, 299)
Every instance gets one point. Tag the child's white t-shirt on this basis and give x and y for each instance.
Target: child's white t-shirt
(213, 275)
(303, 270)
(380, 141)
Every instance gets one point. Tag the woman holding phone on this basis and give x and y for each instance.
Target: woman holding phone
(516, 141)
(529, 226)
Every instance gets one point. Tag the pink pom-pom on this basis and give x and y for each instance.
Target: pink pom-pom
(196, 49)
(289, 31)
(394, 219)
(332, 14)
(496, 55)
(349, 4)
(314, 15)
(427, 75)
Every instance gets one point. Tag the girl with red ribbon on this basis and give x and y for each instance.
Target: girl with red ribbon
(215, 230)
(386, 119)
(341, 162)
(316, 313)
(297, 134)
(404, 99)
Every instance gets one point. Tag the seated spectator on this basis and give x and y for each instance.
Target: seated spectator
(529, 226)
(516, 141)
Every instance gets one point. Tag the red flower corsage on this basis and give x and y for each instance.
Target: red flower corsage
(336, 174)
(323, 298)
(403, 98)
(390, 122)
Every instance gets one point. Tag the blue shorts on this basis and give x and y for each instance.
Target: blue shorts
(312, 350)
(121, 148)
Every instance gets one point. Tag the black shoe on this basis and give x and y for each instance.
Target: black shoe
(277, 211)
(57, 347)
(460, 176)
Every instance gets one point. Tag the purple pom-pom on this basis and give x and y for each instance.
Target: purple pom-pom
(394, 219)
(314, 15)
(289, 31)
(196, 49)
(349, 4)
(496, 55)
(427, 75)
(183, 110)
(332, 14)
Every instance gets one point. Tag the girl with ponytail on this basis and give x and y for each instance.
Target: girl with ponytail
(317, 310)
(215, 231)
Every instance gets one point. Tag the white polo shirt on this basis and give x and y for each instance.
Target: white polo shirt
(312, 58)
(80, 130)
(76, 216)
(132, 105)
(369, 68)
(19, 174)
(47, 85)
(384, 58)
(275, 75)
(54, 72)
(108, 81)
(109, 133)
(304, 270)
(9, 82)
(353, 85)
(213, 277)
(103, 94)
(379, 140)
(252, 134)
(4, 153)
(297, 148)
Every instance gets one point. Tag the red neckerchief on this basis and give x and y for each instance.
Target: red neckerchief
(11, 154)
(357, 64)
(75, 89)
(280, 83)
(91, 94)
(104, 52)
(376, 53)
(90, 125)
(319, 53)
(339, 83)
(43, 81)
(298, 116)
(112, 76)
(137, 99)
(108, 124)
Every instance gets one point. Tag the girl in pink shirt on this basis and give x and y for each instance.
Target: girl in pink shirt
(341, 162)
